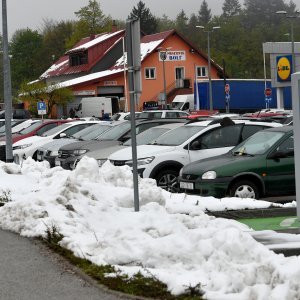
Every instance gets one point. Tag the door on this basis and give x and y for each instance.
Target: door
(179, 76)
(280, 178)
(215, 142)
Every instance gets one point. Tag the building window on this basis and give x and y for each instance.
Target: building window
(79, 59)
(201, 72)
(150, 73)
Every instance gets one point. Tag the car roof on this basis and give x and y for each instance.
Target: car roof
(161, 120)
(170, 125)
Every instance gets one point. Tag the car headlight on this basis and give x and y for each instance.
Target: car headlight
(141, 161)
(2, 143)
(101, 162)
(53, 153)
(209, 175)
(22, 146)
(79, 152)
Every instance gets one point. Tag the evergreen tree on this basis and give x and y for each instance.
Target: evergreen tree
(164, 24)
(181, 23)
(148, 22)
(204, 14)
(231, 8)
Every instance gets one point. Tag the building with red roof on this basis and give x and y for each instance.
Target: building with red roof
(96, 66)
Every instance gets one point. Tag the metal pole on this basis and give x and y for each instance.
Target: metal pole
(165, 88)
(7, 86)
(125, 81)
(209, 72)
(293, 46)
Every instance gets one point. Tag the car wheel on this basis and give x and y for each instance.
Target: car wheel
(244, 189)
(167, 180)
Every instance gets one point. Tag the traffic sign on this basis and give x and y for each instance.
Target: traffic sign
(268, 92)
(227, 88)
(41, 106)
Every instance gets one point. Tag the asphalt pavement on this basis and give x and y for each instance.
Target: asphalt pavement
(31, 271)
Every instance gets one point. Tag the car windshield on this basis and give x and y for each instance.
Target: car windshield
(116, 132)
(13, 123)
(93, 132)
(30, 128)
(176, 105)
(116, 117)
(56, 129)
(177, 136)
(147, 136)
(258, 143)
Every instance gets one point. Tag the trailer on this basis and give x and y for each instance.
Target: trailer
(241, 95)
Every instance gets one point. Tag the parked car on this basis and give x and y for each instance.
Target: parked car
(28, 147)
(17, 113)
(16, 126)
(49, 151)
(120, 116)
(121, 133)
(143, 138)
(261, 166)
(36, 128)
(158, 114)
(163, 159)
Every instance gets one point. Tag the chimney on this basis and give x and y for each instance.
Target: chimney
(114, 26)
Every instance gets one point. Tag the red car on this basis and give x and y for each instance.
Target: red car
(37, 128)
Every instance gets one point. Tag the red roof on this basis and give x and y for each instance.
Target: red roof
(97, 46)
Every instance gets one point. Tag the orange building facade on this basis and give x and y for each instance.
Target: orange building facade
(182, 66)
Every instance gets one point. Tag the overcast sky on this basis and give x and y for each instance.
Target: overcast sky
(31, 13)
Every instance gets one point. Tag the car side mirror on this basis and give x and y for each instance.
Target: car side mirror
(195, 145)
(62, 135)
(277, 155)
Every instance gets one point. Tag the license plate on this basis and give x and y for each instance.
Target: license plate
(57, 162)
(186, 185)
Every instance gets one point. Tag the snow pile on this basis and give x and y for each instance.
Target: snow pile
(170, 237)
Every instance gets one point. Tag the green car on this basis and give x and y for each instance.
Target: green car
(261, 166)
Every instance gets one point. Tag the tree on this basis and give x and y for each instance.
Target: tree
(231, 8)
(93, 17)
(164, 23)
(148, 21)
(27, 61)
(39, 91)
(181, 23)
(55, 38)
(204, 14)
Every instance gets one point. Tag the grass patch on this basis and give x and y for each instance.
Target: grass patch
(138, 285)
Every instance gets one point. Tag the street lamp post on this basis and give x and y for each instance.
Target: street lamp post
(163, 56)
(209, 62)
(291, 18)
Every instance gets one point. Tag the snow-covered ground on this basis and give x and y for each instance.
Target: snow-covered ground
(171, 237)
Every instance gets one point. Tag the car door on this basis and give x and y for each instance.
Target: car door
(280, 175)
(215, 142)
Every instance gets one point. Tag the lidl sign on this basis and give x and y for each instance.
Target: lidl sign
(284, 68)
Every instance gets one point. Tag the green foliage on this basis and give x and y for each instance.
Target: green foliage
(204, 14)
(93, 17)
(231, 8)
(52, 95)
(148, 22)
(27, 60)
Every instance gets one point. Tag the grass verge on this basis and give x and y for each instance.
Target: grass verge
(138, 285)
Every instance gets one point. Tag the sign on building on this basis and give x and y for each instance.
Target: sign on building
(174, 55)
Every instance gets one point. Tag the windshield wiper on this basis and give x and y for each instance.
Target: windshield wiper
(241, 153)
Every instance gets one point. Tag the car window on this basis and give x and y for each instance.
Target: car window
(221, 137)
(30, 128)
(76, 128)
(287, 146)
(249, 130)
(172, 114)
(147, 136)
(116, 132)
(183, 114)
(56, 129)
(45, 128)
(178, 135)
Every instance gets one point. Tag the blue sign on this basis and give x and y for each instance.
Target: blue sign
(41, 106)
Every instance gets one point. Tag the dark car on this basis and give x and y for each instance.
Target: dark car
(261, 166)
(17, 113)
(120, 133)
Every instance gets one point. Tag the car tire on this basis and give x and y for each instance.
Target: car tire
(244, 189)
(167, 180)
